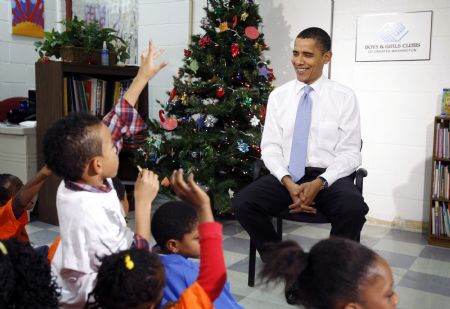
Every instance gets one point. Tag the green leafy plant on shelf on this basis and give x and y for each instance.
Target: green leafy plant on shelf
(78, 33)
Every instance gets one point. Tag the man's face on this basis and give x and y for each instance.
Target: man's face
(308, 60)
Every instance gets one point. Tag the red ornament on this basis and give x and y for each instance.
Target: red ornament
(220, 92)
(168, 124)
(173, 93)
(257, 149)
(251, 32)
(46, 59)
(204, 41)
(235, 21)
(235, 50)
(187, 52)
(263, 112)
(270, 76)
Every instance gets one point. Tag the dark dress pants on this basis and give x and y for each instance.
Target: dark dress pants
(256, 204)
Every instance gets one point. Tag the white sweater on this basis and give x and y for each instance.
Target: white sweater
(92, 225)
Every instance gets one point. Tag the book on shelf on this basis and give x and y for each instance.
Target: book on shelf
(440, 219)
(96, 96)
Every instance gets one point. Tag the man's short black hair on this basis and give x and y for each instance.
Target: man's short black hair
(318, 34)
(70, 143)
(172, 220)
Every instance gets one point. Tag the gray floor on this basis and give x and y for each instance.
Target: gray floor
(422, 272)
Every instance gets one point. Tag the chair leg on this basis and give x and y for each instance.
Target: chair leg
(251, 264)
(280, 227)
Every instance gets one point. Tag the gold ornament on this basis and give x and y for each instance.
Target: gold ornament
(184, 98)
(223, 26)
(244, 16)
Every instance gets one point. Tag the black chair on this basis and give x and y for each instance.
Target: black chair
(300, 217)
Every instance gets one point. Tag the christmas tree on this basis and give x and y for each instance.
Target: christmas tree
(212, 122)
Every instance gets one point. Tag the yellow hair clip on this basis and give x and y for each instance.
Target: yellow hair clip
(129, 264)
(3, 248)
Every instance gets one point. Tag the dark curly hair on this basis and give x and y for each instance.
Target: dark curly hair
(26, 280)
(172, 220)
(330, 274)
(318, 34)
(119, 287)
(70, 143)
(9, 186)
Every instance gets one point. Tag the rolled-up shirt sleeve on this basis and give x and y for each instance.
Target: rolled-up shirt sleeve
(123, 121)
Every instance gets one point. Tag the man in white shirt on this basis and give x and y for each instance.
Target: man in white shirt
(332, 151)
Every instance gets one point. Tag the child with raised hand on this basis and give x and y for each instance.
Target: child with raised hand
(337, 273)
(25, 278)
(84, 152)
(175, 229)
(15, 200)
(136, 278)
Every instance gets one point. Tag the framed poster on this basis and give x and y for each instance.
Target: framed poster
(394, 37)
(28, 18)
(120, 15)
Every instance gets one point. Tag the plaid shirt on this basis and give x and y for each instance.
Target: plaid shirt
(123, 121)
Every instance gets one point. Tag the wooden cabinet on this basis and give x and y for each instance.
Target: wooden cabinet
(439, 226)
(50, 97)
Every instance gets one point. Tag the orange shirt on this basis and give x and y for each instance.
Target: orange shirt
(193, 297)
(10, 227)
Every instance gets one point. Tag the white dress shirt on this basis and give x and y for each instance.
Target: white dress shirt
(334, 139)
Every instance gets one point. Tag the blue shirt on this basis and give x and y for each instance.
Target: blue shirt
(182, 273)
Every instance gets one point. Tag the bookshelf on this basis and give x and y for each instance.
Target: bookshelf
(51, 99)
(439, 213)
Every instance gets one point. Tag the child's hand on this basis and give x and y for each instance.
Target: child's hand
(192, 194)
(146, 187)
(46, 171)
(148, 68)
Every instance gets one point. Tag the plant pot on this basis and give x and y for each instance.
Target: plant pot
(85, 56)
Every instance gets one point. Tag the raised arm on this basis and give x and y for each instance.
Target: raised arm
(27, 193)
(147, 71)
(212, 276)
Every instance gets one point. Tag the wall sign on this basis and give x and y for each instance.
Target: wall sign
(394, 37)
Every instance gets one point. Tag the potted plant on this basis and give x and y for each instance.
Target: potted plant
(81, 42)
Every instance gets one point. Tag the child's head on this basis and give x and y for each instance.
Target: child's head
(175, 229)
(26, 280)
(80, 143)
(9, 186)
(336, 273)
(131, 279)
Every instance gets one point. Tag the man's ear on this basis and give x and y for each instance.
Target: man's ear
(327, 56)
(172, 245)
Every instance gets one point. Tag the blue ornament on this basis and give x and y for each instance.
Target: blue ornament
(242, 147)
(185, 119)
(200, 123)
(154, 158)
(262, 71)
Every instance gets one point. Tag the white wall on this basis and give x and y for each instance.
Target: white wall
(398, 102)
(17, 54)
(167, 23)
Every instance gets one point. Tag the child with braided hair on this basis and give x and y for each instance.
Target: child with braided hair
(337, 273)
(135, 278)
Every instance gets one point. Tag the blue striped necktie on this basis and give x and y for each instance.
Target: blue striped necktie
(300, 136)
